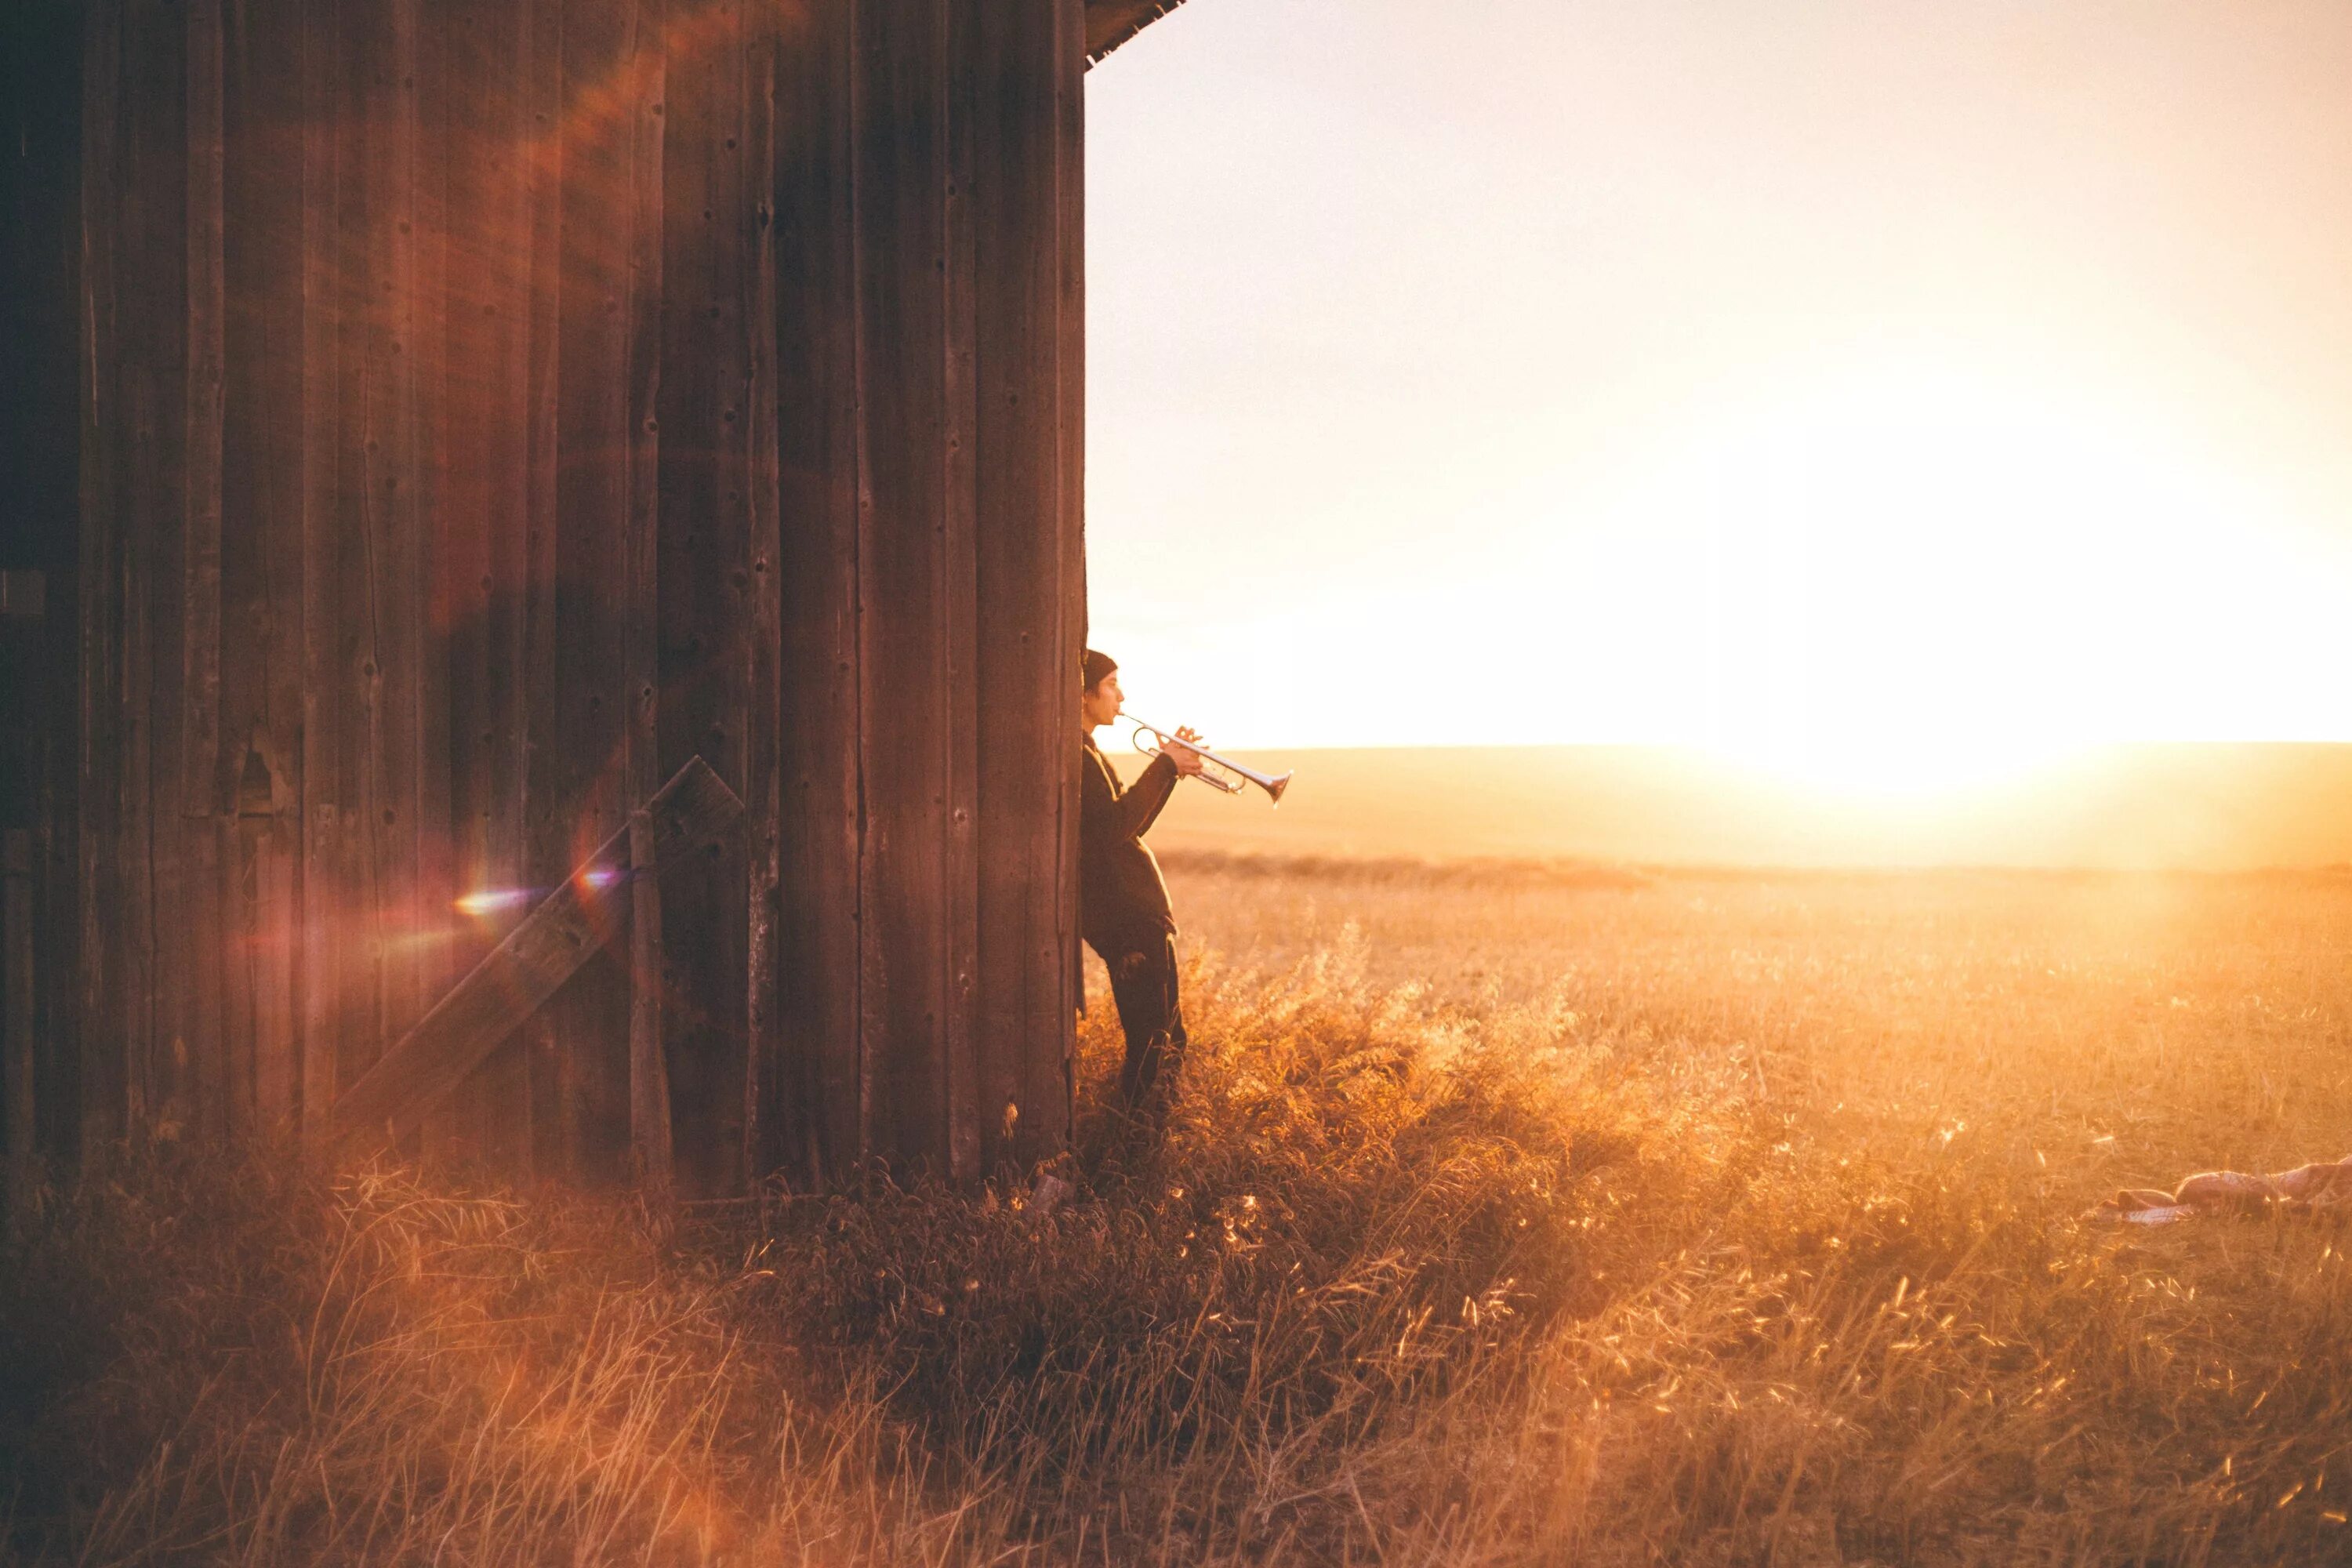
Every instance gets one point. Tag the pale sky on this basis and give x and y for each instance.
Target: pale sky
(1791, 378)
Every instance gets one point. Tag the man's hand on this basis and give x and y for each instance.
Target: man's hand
(1188, 762)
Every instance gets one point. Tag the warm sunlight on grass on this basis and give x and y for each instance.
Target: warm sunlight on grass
(1514, 1213)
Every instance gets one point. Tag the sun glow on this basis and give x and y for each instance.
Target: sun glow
(1914, 768)
(1885, 578)
(1929, 582)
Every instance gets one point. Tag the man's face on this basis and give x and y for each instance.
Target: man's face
(1102, 700)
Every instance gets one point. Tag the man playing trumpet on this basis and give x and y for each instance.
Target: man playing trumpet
(1123, 908)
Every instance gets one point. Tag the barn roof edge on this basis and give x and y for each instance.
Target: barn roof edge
(1110, 22)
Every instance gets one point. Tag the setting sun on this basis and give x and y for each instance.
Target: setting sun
(1924, 579)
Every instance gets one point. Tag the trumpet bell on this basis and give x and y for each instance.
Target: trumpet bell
(1218, 773)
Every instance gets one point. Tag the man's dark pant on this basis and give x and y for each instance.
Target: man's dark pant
(1143, 983)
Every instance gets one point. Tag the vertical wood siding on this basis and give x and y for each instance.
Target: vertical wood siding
(41, 416)
(1050, 1088)
(486, 410)
(819, 1077)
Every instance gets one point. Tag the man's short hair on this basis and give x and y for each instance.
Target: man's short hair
(1095, 666)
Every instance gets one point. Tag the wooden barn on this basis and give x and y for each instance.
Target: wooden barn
(433, 427)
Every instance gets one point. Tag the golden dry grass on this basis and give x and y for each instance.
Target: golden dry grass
(1508, 1215)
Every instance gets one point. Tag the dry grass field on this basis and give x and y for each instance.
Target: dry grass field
(1512, 1214)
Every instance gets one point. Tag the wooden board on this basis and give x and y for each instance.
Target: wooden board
(902, 583)
(547, 846)
(711, 239)
(321, 881)
(104, 1076)
(1023, 679)
(561, 933)
(962, 699)
(763, 1084)
(41, 320)
(391, 525)
(433, 926)
(478, 317)
(199, 715)
(490, 141)
(17, 948)
(650, 1161)
(818, 1071)
(595, 498)
(496, 281)
(355, 627)
(1051, 1088)
(260, 713)
(153, 199)
(198, 928)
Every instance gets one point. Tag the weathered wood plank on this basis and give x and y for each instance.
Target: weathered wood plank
(1023, 676)
(357, 111)
(705, 571)
(199, 717)
(262, 453)
(966, 132)
(239, 974)
(643, 62)
(272, 921)
(763, 1081)
(17, 948)
(604, 98)
(819, 1070)
(646, 71)
(550, 945)
(41, 49)
(1051, 1088)
(60, 1042)
(432, 919)
(394, 524)
(154, 204)
(902, 175)
(649, 1129)
(201, 409)
(23, 607)
(105, 1077)
(321, 886)
(510, 148)
(645, 66)
(197, 929)
(475, 206)
(486, 403)
(542, 778)
(261, 671)
(648, 1078)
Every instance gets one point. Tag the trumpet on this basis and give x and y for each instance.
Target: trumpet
(1220, 772)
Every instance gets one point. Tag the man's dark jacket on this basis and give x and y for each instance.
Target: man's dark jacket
(1122, 902)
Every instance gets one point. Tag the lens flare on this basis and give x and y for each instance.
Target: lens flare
(486, 902)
